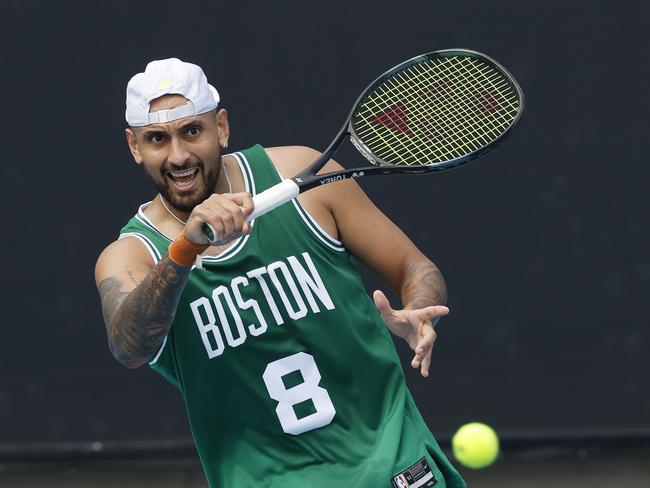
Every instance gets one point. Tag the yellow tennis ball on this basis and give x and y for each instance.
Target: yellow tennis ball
(475, 445)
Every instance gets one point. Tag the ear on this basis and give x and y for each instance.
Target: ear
(132, 141)
(223, 127)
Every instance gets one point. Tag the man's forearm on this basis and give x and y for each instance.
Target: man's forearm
(423, 286)
(137, 321)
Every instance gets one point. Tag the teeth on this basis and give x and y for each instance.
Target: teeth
(181, 174)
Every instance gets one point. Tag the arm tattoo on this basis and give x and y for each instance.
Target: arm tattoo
(423, 286)
(133, 278)
(137, 321)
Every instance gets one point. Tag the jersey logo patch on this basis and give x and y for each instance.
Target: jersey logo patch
(415, 476)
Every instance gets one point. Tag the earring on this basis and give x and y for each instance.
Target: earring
(225, 145)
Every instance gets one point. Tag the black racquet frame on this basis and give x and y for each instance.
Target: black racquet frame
(308, 178)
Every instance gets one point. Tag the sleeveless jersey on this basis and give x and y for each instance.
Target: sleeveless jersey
(289, 375)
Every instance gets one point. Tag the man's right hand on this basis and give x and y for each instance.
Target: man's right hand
(226, 213)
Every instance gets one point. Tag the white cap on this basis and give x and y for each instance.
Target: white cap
(168, 76)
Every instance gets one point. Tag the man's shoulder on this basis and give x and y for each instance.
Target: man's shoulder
(295, 151)
(290, 160)
(124, 253)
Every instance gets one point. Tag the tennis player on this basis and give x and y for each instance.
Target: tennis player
(286, 366)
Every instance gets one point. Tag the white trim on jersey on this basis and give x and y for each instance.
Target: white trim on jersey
(148, 223)
(155, 255)
(315, 228)
(246, 170)
(162, 346)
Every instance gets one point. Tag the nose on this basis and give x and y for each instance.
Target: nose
(178, 153)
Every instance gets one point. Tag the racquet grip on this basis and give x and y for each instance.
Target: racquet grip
(273, 198)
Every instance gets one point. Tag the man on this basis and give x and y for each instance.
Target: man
(285, 365)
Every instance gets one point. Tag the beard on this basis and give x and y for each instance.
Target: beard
(186, 203)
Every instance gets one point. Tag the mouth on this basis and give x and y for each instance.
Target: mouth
(183, 180)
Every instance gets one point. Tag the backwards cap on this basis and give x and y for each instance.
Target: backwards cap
(163, 77)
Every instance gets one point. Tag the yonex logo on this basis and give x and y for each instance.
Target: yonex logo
(332, 178)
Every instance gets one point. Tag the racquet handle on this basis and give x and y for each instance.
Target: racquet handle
(273, 198)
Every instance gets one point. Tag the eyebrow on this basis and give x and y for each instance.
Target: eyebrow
(191, 123)
(153, 131)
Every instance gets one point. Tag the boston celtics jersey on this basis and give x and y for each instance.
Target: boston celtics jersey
(289, 375)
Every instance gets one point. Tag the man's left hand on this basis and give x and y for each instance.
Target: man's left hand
(414, 326)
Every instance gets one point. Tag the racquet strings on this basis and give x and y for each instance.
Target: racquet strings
(437, 110)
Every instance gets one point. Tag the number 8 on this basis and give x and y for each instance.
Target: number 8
(308, 390)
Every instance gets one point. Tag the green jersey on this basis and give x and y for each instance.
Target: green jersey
(289, 375)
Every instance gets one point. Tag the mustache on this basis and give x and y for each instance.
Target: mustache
(166, 168)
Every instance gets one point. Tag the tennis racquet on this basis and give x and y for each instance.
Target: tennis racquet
(432, 113)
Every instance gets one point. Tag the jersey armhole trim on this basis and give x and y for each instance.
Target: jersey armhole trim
(311, 223)
(157, 356)
(316, 229)
(155, 255)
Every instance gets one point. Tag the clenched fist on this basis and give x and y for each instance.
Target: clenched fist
(226, 213)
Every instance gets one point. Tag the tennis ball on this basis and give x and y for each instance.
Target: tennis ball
(475, 445)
